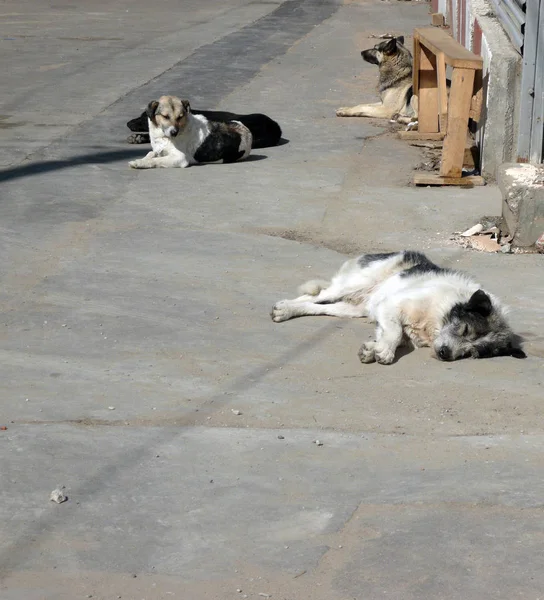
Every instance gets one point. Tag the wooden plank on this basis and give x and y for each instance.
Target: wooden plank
(442, 92)
(462, 83)
(434, 179)
(428, 92)
(470, 156)
(437, 40)
(418, 135)
(477, 97)
(415, 67)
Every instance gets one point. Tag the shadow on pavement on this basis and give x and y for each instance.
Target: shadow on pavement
(38, 168)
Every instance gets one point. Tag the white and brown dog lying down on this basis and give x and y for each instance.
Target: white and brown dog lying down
(180, 139)
(265, 131)
(411, 300)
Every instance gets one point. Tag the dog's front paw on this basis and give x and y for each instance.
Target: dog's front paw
(342, 112)
(281, 311)
(367, 353)
(384, 356)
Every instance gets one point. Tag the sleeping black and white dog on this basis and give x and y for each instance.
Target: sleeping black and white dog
(265, 131)
(180, 139)
(411, 300)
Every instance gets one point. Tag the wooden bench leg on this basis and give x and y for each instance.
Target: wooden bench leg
(428, 92)
(442, 92)
(462, 84)
(415, 66)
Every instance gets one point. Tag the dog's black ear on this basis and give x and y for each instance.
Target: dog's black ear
(400, 39)
(151, 109)
(186, 105)
(480, 303)
(390, 47)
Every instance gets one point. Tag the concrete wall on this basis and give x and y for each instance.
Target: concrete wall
(472, 24)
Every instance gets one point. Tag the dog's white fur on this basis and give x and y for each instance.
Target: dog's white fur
(179, 151)
(406, 306)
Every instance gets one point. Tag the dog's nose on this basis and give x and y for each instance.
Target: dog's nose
(444, 353)
(174, 131)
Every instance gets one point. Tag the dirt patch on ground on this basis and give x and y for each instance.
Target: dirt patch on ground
(315, 238)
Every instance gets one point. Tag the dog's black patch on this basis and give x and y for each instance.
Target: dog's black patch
(414, 257)
(366, 259)
(474, 312)
(420, 264)
(389, 47)
(489, 350)
(409, 94)
(221, 144)
(518, 353)
(265, 131)
(423, 268)
(480, 303)
(151, 111)
(416, 262)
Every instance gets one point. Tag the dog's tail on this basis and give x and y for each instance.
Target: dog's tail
(313, 287)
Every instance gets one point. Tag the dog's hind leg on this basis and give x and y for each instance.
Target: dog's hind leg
(366, 110)
(289, 309)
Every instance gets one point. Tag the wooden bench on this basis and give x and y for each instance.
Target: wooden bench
(443, 115)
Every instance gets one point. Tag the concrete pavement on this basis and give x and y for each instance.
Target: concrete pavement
(135, 328)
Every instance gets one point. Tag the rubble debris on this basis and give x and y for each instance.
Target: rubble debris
(539, 244)
(3, 428)
(484, 243)
(236, 412)
(489, 235)
(478, 228)
(428, 145)
(318, 442)
(383, 36)
(58, 496)
(431, 160)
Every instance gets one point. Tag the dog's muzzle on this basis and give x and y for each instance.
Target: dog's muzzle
(370, 56)
(172, 131)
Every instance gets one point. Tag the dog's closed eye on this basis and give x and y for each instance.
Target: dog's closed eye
(462, 329)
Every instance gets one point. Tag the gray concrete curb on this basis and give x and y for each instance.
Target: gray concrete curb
(522, 188)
